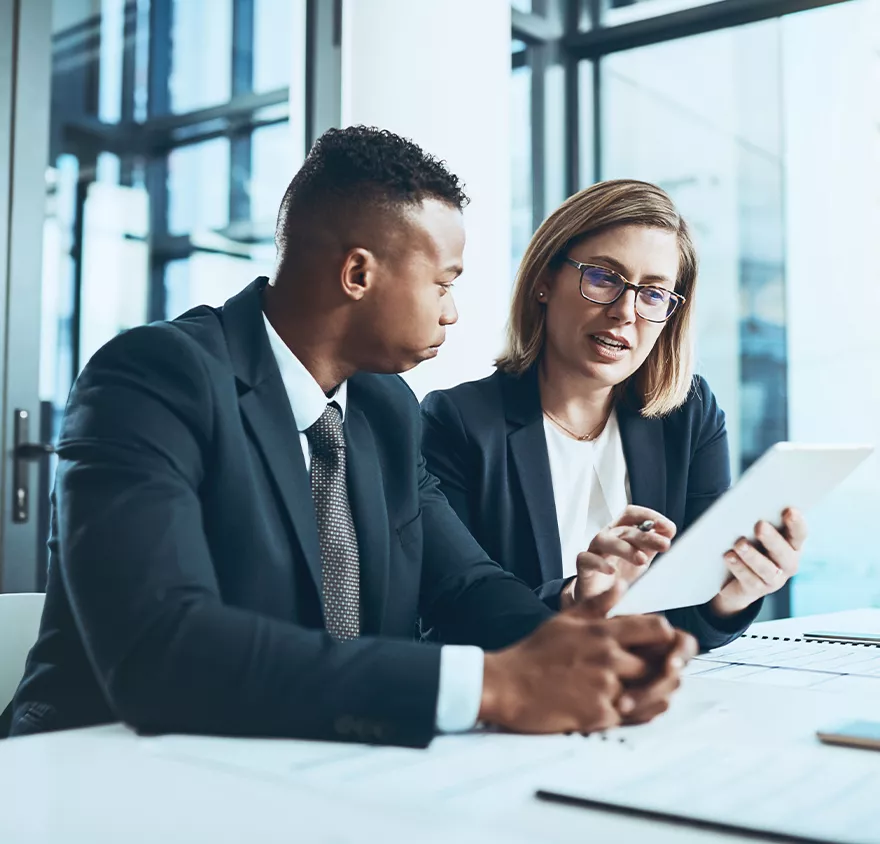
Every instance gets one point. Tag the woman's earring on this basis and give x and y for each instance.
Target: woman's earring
(541, 295)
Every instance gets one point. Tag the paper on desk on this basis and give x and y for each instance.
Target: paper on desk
(813, 791)
(475, 766)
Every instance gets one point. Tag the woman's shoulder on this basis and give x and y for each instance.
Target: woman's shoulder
(700, 410)
(468, 397)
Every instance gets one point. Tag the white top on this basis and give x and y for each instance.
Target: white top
(590, 486)
(461, 666)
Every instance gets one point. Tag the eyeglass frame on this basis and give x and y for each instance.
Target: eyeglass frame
(627, 285)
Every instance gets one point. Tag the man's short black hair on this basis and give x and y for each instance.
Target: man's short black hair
(365, 168)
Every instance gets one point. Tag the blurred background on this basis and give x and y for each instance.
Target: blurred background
(145, 146)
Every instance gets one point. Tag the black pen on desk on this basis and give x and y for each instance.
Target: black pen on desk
(646, 525)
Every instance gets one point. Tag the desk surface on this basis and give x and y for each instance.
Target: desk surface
(106, 785)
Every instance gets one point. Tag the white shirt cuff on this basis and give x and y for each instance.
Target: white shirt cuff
(461, 688)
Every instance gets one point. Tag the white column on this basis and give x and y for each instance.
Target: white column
(438, 72)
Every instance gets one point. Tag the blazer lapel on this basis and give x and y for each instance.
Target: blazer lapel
(645, 450)
(266, 410)
(528, 447)
(369, 514)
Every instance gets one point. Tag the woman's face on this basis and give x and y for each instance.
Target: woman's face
(607, 343)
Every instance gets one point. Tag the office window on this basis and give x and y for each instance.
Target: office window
(617, 12)
(521, 162)
(149, 203)
(273, 36)
(198, 187)
(201, 54)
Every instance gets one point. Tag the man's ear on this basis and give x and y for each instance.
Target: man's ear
(358, 272)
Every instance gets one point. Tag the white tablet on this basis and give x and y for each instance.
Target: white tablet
(693, 570)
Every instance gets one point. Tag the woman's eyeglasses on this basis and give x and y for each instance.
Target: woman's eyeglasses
(603, 287)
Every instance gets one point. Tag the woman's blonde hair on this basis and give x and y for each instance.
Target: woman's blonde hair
(663, 381)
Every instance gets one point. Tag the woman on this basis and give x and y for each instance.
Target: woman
(594, 411)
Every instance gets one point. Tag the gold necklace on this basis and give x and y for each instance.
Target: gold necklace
(589, 436)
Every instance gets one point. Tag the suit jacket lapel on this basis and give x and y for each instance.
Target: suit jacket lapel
(266, 410)
(369, 514)
(645, 450)
(528, 447)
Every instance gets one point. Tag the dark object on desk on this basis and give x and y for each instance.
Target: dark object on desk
(829, 636)
(671, 817)
(863, 734)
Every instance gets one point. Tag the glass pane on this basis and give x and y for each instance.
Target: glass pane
(201, 54)
(521, 5)
(521, 162)
(207, 278)
(115, 226)
(833, 252)
(273, 168)
(198, 187)
(273, 35)
(625, 11)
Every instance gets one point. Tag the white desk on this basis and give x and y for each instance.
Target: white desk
(105, 785)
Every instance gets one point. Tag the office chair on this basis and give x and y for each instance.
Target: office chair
(20, 615)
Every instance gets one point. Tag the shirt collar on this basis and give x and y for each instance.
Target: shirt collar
(307, 399)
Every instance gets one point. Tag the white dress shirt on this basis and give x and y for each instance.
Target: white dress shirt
(461, 666)
(590, 486)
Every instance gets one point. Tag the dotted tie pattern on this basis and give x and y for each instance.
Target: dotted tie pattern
(340, 563)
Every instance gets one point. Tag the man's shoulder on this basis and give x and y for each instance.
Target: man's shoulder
(172, 344)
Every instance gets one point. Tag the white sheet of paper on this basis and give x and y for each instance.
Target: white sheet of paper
(800, 791)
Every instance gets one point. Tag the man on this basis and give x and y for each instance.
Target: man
(244, 533)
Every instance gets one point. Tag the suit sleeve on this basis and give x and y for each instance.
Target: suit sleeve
(170, 655)
(708, 480)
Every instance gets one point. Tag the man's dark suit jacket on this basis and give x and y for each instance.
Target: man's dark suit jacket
(184, 582)
(484, 441)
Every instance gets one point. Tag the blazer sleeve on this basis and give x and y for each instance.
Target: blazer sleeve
(445, 448)
(467, 597)
(708, 479)
(169, 654)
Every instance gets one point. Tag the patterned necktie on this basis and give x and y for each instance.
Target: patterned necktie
(340, 564)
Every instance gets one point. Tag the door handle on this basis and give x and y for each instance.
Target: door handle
(23, 455)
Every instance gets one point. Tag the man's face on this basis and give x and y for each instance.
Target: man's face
(410, 301)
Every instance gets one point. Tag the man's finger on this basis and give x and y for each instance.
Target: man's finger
(637, 631)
